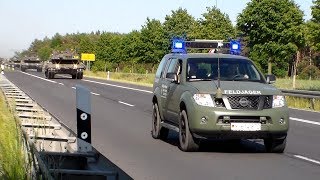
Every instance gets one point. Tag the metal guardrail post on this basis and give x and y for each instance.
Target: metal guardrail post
(312, 102)
(83, 100)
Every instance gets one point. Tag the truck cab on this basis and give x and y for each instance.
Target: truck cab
(205, 96)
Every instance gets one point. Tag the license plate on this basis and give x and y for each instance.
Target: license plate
(245, 127)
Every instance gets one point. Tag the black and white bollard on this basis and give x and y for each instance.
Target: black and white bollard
(83, 96)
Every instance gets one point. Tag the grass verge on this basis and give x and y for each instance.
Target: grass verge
(310, 85)
(139, 79)
(303, 103)
(13, 163)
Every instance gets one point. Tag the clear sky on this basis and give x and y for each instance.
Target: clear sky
(24, 20)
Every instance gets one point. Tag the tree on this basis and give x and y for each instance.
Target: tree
(56, 41)
(275, 29)
(179, 23)
(44, 53)
(215, 25)
(153, 40)
(314, 26)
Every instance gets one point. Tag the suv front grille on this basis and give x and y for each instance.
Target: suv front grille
(250, 102)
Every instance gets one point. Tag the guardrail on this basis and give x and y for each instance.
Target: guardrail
(59, 152)
(312, 95)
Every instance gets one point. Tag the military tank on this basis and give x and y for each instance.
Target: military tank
(64, 62)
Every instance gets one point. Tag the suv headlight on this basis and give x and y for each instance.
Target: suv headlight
(75, 66)
(278, 101)
(203, 100)
(58, 66)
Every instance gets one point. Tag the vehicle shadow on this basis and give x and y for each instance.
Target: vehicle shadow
(223, 146)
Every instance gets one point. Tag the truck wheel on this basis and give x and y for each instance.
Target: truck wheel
(186, 140)
(50, 75)
(74, 76)
(46, 74)
(274, 145)
(158, 131)
(79, 75)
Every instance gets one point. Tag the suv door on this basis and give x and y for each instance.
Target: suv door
(173, 92)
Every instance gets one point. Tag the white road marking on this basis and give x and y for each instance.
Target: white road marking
(123, 87)
(61, 84)
(73, 87)
(95, 94)
(125, 103)
(305, 121)
(307, 159)
(38, 77)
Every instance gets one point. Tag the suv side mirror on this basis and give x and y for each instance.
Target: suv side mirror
(271, 78)
(173, 77)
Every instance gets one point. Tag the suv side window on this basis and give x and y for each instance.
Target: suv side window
(173, 68)
(160, 68)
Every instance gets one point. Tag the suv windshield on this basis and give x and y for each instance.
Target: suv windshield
(230, 69)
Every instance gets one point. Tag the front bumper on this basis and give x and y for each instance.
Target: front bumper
(65, 71)
(31, 67)
(208, 122)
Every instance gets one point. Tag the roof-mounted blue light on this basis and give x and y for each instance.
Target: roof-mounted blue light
(179, 46)
(235, 47)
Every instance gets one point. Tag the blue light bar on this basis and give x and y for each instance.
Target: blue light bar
(235, 47)
(179, 46)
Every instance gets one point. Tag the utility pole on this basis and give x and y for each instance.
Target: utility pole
(216, 3)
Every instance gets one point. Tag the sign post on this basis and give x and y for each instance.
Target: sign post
(83, 98)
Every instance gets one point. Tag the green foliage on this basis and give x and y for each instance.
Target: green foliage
(179, 23)
(44, 53)
(215, 25)
(310, 71)
(274, 31)
(13, 163)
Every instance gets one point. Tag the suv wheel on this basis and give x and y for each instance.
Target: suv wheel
(274, 145)
(186, 140)
(158, 131)
(74, 76)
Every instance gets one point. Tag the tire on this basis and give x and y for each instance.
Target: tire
(274, 145)
(157, 131)
(186, 140)
(23, 70)
(50, 75)
(79, 75)
(74, 76)
(39, 70)
(46, 74)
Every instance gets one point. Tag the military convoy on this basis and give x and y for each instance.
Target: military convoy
(64, 63)
(205, 96)
(31, 63)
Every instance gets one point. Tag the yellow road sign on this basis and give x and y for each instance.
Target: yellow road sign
(88, 57)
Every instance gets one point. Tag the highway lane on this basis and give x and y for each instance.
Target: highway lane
(122, 133)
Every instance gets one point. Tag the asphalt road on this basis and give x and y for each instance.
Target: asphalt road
(121, 124)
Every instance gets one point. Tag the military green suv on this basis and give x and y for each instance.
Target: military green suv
(205, 96)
